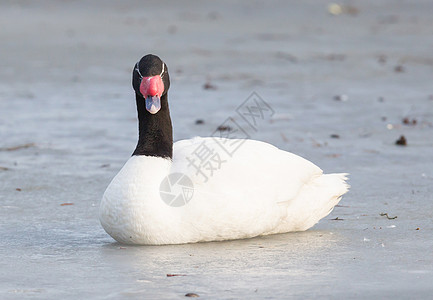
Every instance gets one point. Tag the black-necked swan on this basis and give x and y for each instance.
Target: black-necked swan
(258, 190)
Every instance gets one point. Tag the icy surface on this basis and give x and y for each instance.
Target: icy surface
(68, 123)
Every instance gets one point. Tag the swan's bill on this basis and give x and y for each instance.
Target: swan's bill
(153, 104)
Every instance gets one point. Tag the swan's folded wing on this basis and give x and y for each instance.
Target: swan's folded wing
(248, 181)
(245, 164)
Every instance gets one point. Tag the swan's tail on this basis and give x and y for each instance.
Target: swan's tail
(315, 201)
(319, 198)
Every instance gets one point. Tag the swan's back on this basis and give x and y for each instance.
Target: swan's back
(259, 189)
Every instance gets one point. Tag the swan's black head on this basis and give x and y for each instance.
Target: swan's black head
(151, 81)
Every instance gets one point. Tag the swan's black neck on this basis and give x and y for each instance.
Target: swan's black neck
(155, 133)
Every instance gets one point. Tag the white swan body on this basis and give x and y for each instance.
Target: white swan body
(258, 190)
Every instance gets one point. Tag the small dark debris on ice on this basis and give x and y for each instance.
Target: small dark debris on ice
(224, 128)
(342, 98)
(209, 86)
(192, 295)
(407, 121)
(14, 148)
(401, 141)
(388, 217)
(174, 275)
(399, 69)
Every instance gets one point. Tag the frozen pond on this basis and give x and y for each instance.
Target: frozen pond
(68, 123)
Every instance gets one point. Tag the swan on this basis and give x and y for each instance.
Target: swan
(195, 191)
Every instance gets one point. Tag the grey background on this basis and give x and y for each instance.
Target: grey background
(68, 124)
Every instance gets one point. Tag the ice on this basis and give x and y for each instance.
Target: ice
(68, 124)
